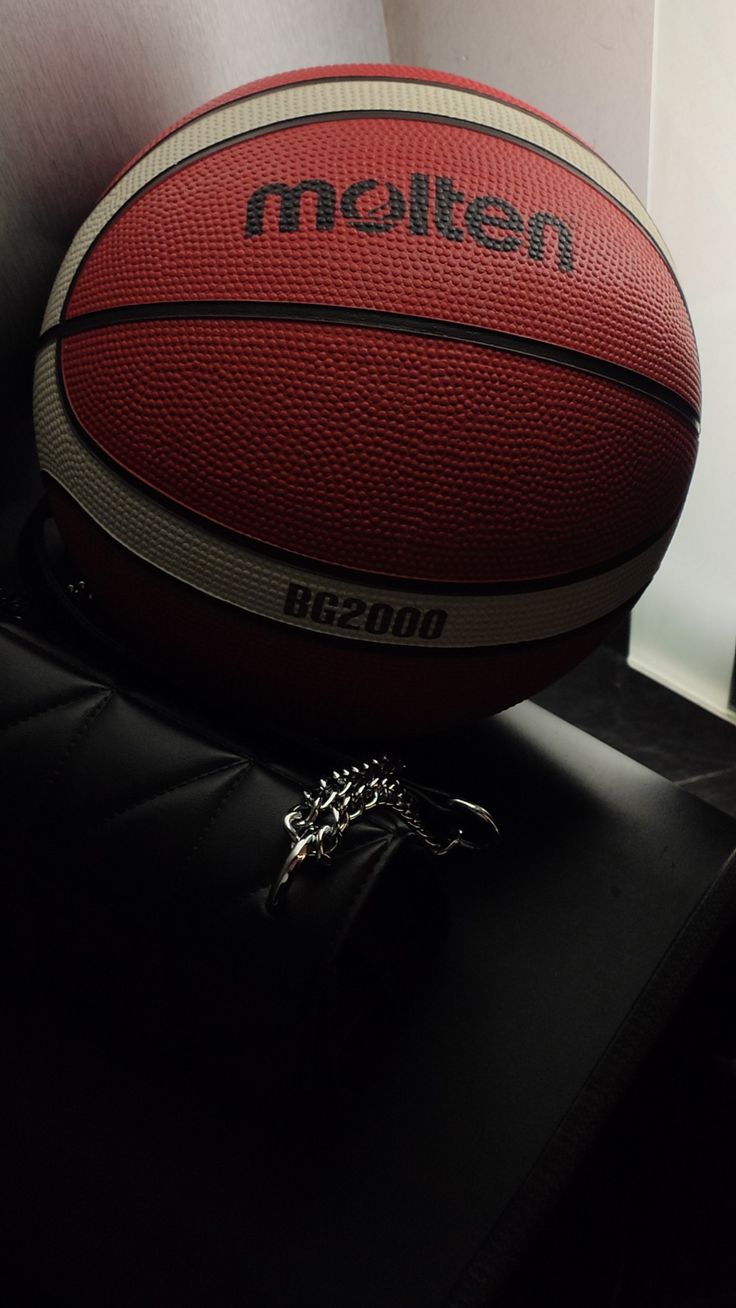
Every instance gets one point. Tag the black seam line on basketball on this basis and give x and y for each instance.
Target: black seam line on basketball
(381, 320)
(287, 123)
(527, 111)
(336, 574)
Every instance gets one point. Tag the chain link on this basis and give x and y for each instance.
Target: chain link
(317, 825)
(13, 604)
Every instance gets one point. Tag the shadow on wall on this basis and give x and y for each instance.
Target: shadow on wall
(79, 93)
(84, 84)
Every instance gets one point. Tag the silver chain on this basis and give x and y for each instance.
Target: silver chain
(317, 825)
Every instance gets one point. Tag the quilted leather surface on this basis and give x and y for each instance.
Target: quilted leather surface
(565, 958)
(145, 848)
(139, 843)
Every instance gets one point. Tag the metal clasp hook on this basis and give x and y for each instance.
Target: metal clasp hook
(487, 829)
(301, 849)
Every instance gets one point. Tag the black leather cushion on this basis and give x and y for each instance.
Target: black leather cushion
(144, 846)
(138, 857)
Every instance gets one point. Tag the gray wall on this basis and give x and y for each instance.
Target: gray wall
(85, 83)
(586, 62)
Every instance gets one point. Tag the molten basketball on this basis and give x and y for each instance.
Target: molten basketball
(368, 394)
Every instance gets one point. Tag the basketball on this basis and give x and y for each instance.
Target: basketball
(367, 395)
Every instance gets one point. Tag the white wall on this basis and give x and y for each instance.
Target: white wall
(585, 62)
(684, 628)
(85, 83)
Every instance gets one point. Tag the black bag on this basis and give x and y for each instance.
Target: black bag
(150, 843)
(483, 1049)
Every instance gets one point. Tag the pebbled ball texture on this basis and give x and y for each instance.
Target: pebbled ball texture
(547, 433)
(390, 469)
